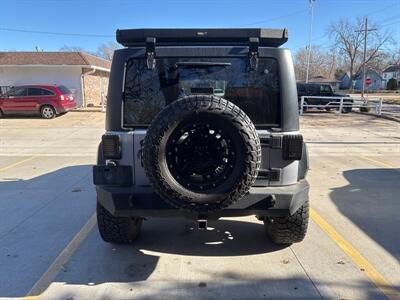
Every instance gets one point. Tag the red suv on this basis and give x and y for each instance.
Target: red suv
(47, 100)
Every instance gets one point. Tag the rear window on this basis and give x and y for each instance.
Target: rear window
(34, 92)
(47, 92)
(147, 91)
(64, 90)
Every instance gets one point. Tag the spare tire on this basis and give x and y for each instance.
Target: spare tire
(201, 153)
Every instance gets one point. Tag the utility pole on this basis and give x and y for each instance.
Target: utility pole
(365, 53)
(309, 38)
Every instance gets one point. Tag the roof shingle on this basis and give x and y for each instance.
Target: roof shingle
(53, 58)
(392, 69)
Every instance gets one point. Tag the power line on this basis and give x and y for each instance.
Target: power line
(56, 33)
(275, 19)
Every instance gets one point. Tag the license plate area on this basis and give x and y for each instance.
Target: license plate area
(112, 175)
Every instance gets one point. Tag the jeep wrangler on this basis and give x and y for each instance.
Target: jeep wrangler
(202, 124)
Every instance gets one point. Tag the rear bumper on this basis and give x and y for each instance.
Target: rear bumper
(261, 201)
(66, 106)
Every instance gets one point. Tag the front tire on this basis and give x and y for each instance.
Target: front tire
(290, 229)
(117, 230)
(347, 110)
(47, 112)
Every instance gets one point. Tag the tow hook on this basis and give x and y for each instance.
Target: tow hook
(202, 224)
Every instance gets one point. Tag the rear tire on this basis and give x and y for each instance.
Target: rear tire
(117, 230)
(347, 110)
(47, 112)
(290, 229)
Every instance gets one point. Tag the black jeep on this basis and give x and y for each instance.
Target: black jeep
(202, 124)
(329, 100)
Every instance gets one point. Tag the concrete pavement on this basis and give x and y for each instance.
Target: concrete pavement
(46, 198)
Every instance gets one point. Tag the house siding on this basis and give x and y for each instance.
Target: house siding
(95, 87)
(389, 75)
(377, 82)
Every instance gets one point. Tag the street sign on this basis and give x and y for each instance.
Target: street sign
(368, 81)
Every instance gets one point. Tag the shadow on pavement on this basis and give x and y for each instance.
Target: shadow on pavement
(28, 116)
(39, 216)
(226, 237)
(98, 262)
(371, 201)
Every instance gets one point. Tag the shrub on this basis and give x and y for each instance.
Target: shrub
(392, 84)
(365, 108)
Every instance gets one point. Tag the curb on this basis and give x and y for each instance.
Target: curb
(378, 116)
(88, 110)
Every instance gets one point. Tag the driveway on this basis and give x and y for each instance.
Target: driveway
(50, 247)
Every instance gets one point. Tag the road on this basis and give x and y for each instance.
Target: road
(50, 247)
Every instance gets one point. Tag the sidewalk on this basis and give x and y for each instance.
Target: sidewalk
(89, 109)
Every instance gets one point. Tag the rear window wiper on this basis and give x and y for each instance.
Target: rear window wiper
(201, 64)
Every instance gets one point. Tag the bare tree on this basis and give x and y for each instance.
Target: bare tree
(66, 48)
(380, 62)
(395, 57)
(106, 50)
(348, 38)
(322, 63)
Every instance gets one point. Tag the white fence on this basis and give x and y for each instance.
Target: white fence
(341, 103)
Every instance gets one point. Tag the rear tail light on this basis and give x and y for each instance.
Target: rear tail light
(292, 147)
(66, 97)
(111, 147)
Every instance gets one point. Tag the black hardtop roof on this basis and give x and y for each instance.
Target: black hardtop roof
(202, 36)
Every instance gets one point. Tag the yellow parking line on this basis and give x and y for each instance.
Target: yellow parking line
(16, 164)
(383, 164)
(385, 287)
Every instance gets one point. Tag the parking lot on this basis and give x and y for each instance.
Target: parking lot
(50, 247)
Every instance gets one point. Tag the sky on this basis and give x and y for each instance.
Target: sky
(52, 24)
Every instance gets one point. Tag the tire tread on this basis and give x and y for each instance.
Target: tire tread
(290, 229)
(118, 230)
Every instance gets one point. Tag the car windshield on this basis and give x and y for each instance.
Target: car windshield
(147, 91)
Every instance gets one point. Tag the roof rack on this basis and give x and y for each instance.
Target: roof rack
(202, 36)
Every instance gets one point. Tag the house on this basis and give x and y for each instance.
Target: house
(85, 74)
(377, 81)
(392, 72)
(344, 81)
